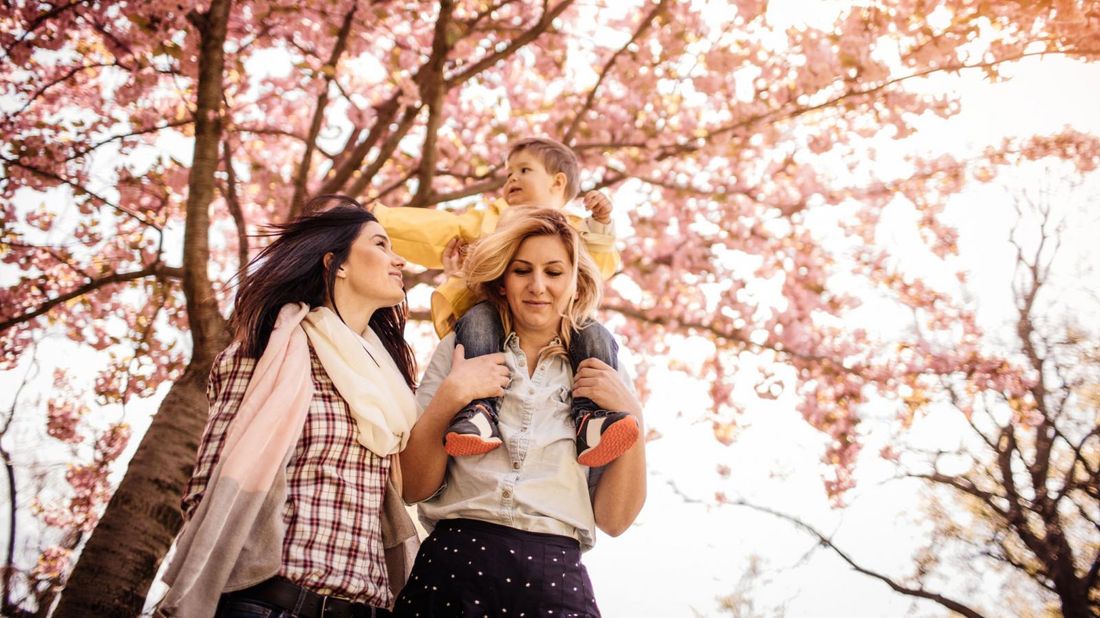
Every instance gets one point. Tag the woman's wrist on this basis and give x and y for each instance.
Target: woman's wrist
(450, 397)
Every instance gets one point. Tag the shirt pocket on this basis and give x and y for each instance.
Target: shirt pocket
(553, 434)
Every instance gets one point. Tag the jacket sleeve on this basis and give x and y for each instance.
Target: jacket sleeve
(420, 234)
(229, 378)
(600, 240)
(449, 302)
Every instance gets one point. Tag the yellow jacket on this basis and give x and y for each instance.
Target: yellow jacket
(420, 234)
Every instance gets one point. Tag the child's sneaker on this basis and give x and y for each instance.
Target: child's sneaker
(472, 432)
(602, 436)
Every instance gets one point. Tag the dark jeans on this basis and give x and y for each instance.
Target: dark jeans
(480, 332)
(242, 604)
(247, 608)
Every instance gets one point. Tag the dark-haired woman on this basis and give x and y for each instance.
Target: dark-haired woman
(288, 505)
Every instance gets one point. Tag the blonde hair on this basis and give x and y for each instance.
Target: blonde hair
(488, 264)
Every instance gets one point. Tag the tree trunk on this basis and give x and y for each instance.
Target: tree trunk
(1073, 592)
(121, 558)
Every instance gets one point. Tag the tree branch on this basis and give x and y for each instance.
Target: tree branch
(490, 184)
(68, 74)
(233, 204)
(590, 100)
(153, 129)
(526, 37)
(206, 323)
(785, 113)
(41, 19)
(920, 593)
(968, 488)
(355, 156)
(430, 79)
(154, 270)
(79, 190)
(384, 151)
(302, 177)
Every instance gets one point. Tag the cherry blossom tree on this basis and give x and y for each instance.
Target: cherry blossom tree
(57, 482)
(164, 132)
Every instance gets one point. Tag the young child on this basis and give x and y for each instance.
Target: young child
(542, 173)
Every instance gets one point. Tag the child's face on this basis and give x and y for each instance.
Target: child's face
(529, 184)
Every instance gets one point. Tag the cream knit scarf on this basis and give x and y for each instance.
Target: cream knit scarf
(234, 539)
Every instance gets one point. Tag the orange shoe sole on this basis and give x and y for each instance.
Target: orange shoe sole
(614, 442)
(465, 445)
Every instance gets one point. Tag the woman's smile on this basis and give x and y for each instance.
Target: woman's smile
(537, 284)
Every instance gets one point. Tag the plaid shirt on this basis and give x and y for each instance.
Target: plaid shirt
(335, 487)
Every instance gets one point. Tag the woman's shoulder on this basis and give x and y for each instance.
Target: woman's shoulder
(232, 356)
(231, 368)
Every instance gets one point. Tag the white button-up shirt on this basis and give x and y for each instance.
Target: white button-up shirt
(531, 482)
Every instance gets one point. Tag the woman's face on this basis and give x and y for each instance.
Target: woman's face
(538, 285)
(371, 274)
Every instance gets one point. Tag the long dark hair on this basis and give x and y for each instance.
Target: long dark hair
(292, 270)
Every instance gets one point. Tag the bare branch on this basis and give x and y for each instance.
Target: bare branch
(965, 486)
(113, 138)
(921, 593)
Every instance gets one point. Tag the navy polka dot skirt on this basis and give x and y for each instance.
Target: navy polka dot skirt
(473, 568)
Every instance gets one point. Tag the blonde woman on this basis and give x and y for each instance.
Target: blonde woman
(507, 528)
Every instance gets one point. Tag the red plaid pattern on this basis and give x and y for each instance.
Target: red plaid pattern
(333, 541)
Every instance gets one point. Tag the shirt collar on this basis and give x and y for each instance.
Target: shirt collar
(512, 341)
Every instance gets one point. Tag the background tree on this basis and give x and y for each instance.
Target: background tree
(737, 152)
(1027, 474)
(66, 483)
(1010, 473)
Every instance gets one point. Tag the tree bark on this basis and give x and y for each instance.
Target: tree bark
(121, 558)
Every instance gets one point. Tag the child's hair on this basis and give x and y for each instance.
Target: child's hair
(556, 157)
(292, 270)
(493, 254)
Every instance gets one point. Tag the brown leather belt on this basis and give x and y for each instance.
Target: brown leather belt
(284, 594)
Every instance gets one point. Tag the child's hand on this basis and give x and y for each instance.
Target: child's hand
(599, 205)
(454, 257)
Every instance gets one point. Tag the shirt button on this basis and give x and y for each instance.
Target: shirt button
(515, 465)
(507, 494)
